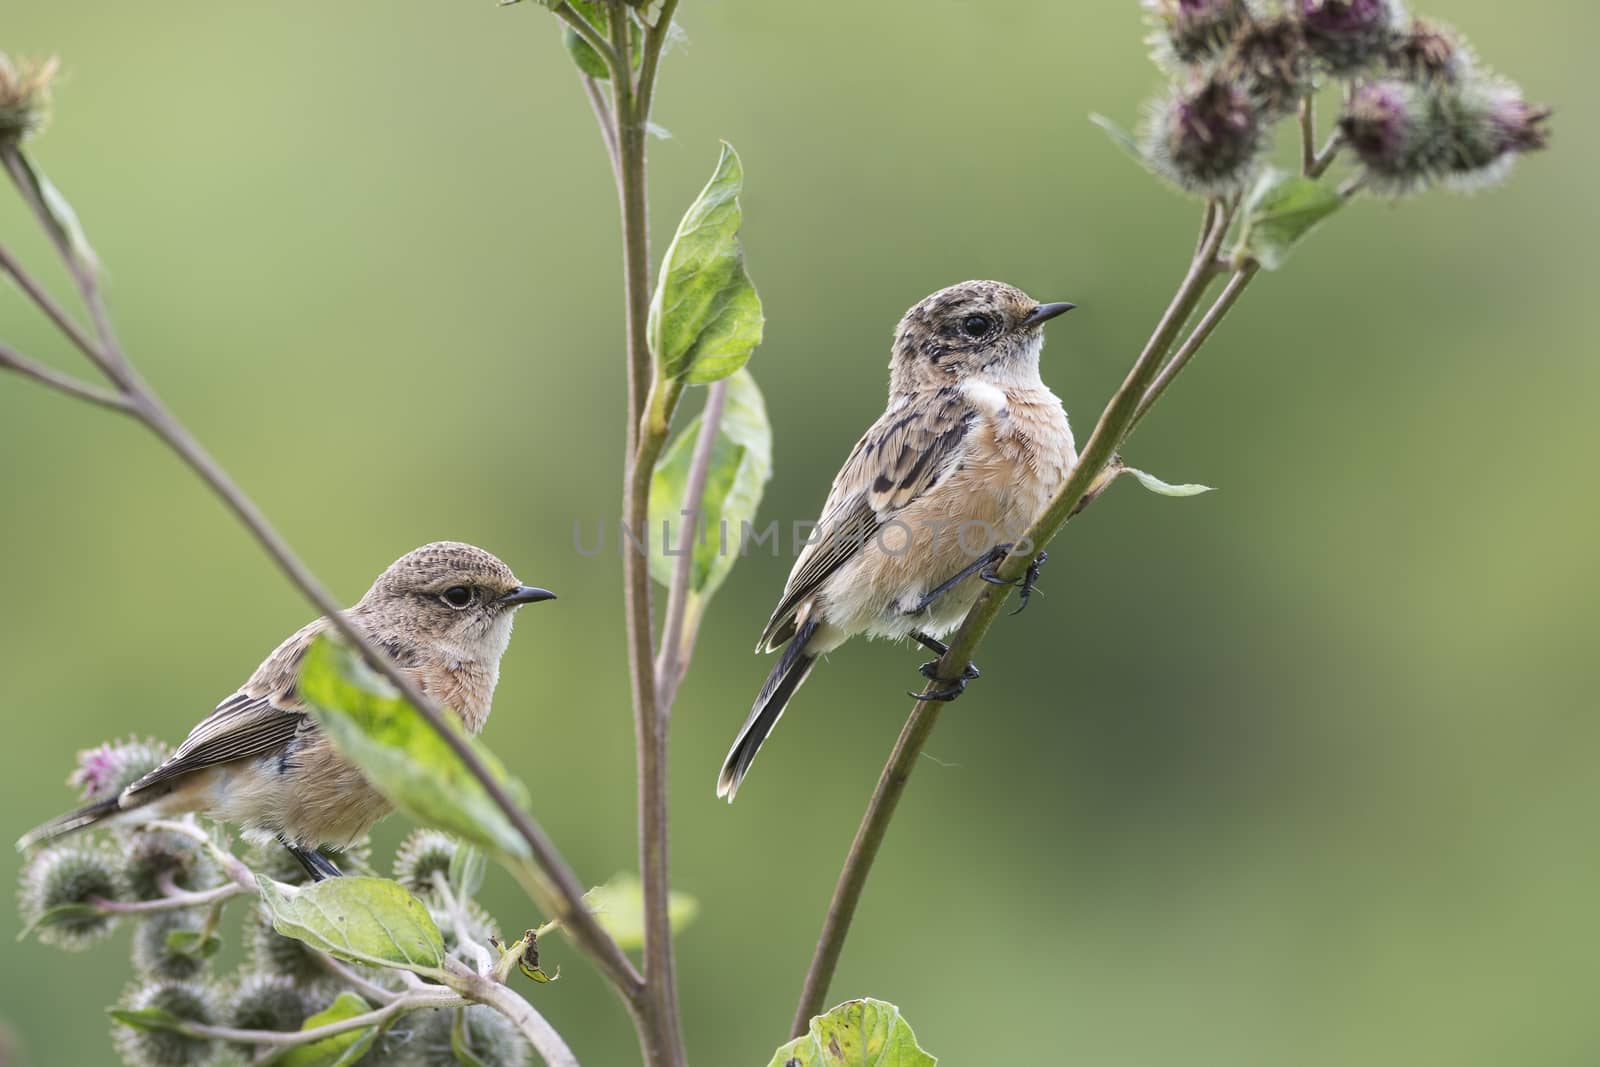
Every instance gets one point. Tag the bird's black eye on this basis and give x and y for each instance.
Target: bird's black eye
(457, 596)
(976, 325)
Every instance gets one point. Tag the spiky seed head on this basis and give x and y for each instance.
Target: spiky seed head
(1187, 32)
(154, 956)
(420, 856)
(1427, 51)
(480, 926)
(1206, 135)
(106, 770)
(1489, 124)
(1394, 129)
(276, 862)
(24, 96)
(258, 1001)
(165, 1048)
(271, 953)
(1270, 58)
(422, 1039)
(69, 878)
(155, 857)
(1347, 35)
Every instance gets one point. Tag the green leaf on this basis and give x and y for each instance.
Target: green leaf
(741, 464)
(460, 1044)
(1119, 136)
(365, 920)
(146, 1018)
(63, 220)
(858, 1033)
(705, 318)
(199, 944)
(59, 913)
(1280, 210)
(588, 60)
(466, 870)
(338, 1050)
(618, 907)
(401, 754)
(1161, 488)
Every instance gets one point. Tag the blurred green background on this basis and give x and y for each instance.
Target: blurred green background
(1302, 771)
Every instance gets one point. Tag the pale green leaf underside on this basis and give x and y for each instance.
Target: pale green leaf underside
(366, 920)
(858, 1033)
(618, 907)
(1280, 211)
(401, 754)
(1161, 488)
(741, 464)
(338, 1050)
(705, 317)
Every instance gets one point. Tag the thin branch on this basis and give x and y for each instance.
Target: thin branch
(172, 901)
(544, 1038)
(602, 116)
(1224, 302)
(42, 299)
(424, 997)
(370, 990)
(1086, 475)
(1324, 159)
(1307, 116)
(654, 40)
(672, 660)
(11, 359)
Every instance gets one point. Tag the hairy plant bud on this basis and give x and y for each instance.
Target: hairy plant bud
(271, 953)
(423, 1039)
(1428, 51)
(24, 96)
(1348, 34)
(1392, 127)
(154, 859)
(278, 863)
(420, 856)
(57, 891)
(166, 1048)
(1270, 58)
(480, 926)
(1489, 124)
(1192, 31)
(1206, 136)
(153, 952)
(104, 772)
(266, 1002)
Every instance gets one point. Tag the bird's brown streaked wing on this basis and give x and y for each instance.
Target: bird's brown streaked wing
(240, 727)
(903, 455)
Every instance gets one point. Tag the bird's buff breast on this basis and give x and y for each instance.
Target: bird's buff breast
(1015, 463)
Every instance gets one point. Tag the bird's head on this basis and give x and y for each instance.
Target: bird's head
(453, 595)
(974, 329)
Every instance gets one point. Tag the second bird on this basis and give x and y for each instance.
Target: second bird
(969, 452)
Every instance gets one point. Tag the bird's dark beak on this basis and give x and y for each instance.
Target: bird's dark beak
(526, 594)
(1046, 312)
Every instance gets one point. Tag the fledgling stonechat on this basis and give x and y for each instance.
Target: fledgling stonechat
(443, 612)
(971, 449)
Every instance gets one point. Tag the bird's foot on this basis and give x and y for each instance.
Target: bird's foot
(930, 671)
(318, 866)
(982, 565)
(1026, 584)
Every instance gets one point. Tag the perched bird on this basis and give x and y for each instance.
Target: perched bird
(971, 449)
(443, 612)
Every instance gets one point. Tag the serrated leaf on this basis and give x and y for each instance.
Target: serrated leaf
(1161, 488)
(618, 907)
(63, 220)
(340, 1050)
(1119, 136)
(705, 317)
(365, 920)
(741, 465)
(401, 754)
(1280, 211)
(146, 1018)
(858, 1033)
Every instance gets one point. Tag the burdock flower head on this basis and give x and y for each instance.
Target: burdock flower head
(1488, 125)
(1428, 51)
(1269, 56)
(1206, 135)
(1348, 34)
(24, 96)
(106, 771)
(1192, 31)
(1393, 127)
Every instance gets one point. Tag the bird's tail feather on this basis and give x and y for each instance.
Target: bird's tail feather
(791, 669)
(84, 817)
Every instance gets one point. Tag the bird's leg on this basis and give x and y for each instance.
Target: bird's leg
(984, 562)
(930, 669)
(318, 866)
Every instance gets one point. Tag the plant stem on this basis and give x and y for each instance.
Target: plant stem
(675, 642)
(483, 989)
(64, 383)
(147, 407)
(1224, 302)
(1086, 476)
(1308, 133)
(172, 901)
(422, 997)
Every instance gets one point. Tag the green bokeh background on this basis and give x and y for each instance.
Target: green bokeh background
(1302, 771)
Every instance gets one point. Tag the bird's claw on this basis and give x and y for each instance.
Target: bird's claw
(930, 671)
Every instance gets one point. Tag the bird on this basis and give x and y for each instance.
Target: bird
(969, 451)
(442, 612)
